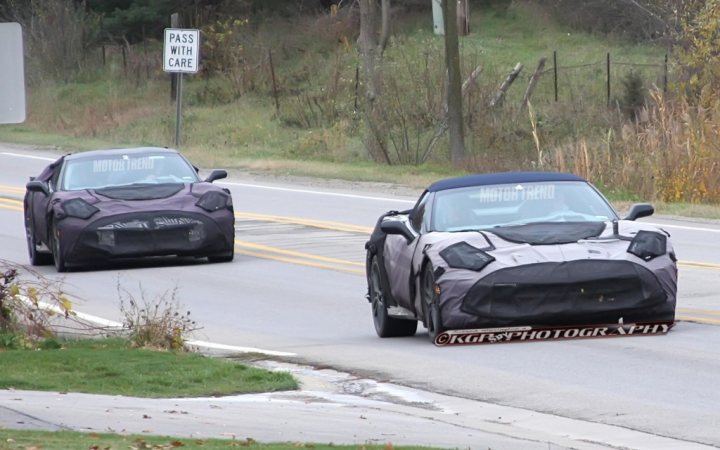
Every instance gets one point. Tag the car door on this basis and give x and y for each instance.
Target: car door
(399, 255)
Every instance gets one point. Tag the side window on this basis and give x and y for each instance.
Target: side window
(418, 214)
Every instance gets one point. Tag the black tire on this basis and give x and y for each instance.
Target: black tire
(36, 259)
(60, 265)
(431, 305)
(385, 326)
(222, 257)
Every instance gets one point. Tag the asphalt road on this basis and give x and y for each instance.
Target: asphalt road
(297, 286)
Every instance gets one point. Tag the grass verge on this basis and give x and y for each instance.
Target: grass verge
(110, 366)
(63, 440)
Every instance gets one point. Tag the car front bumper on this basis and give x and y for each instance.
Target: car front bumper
(155, 233)
(565, 293)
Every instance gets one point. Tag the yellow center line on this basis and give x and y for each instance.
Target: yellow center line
(328, 225)
(698, 319)
(12, 188)
(300, 262)
(11, 201)
(283, 251)
(709, 312)
(702, 265)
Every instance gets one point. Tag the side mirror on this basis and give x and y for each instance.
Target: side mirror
(38, 186)
(639, 210)
(216, 174)
(397, 227)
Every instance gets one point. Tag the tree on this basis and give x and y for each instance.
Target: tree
(372, 45)
(454, 96)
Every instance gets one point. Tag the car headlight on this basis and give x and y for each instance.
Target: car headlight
(647, 245)
(464, 256)
(79, 208)
(213, 201)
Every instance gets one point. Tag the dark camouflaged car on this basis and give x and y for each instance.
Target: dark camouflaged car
(519, 256)
(103, 205)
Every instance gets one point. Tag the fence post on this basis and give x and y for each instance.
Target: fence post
(608, 79)
(357, 82)
(274, 82)
(665, 74)
(555, 74)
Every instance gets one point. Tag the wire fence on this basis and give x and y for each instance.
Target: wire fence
(604, 78)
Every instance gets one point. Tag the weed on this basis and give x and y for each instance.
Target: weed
(159, 323)
(33, 309)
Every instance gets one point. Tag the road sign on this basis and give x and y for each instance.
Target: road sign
(181, 52)
(12, 74)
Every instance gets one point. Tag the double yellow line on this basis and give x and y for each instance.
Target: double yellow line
(269, 252)
(324, 262)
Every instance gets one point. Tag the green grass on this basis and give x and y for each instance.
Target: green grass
(109, 366)
(64, 440)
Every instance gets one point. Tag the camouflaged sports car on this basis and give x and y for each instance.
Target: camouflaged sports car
(519, 256)
(124, 203)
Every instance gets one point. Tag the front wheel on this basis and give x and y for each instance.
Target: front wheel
(58, 258)
(222, 257)
(431, 304)
(385, 326)
(36, 259)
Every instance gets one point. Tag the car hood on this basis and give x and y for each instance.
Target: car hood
(544, 242)
(149, 197)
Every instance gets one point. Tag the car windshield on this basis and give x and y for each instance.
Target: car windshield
(479, 207)
(124, 170)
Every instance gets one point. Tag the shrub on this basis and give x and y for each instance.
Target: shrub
(27, 308)
(156, 324)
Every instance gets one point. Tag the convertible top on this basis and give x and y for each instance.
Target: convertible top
(501, 178)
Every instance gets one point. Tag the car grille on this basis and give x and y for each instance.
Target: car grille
(564, 293)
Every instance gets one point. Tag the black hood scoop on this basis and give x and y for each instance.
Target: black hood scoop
(549, 233)
(141, 191)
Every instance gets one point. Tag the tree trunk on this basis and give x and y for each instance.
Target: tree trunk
(454, 97)
(371, 48)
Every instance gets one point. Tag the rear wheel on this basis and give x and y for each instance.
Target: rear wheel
(431, 304)
(385, 326)
(56, 253)
(36, 259)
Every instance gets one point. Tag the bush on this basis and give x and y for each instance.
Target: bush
(27, 308)
(156, 324)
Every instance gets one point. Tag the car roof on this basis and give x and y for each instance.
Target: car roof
(486, 179)
(119, 151)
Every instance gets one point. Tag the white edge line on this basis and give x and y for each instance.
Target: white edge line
(682, 227)
(307, 191)
(18, 155)
(117, 325)
(215, 346)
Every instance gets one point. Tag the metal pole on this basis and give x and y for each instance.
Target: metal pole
(174, 23)
(665, 74)
(178, 117)
(608, 79)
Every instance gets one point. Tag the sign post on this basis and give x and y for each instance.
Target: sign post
(181, 54)
(12, 74)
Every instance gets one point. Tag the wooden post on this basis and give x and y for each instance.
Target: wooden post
(463, 17)
(608, 79)
(533, 81)
(174, 23)
(357, 83)
(498, 98)
(665, 74)
(555, 74)
(275, 91)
